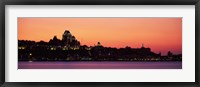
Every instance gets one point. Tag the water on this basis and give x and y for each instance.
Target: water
(101, 65)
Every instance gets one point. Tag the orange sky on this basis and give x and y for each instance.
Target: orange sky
(160, 34)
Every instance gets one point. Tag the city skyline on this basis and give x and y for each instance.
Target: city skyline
(158, 38)
(69, 49)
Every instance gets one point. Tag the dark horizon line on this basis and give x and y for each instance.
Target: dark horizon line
(107, 47)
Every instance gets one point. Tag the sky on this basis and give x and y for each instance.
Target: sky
(159, 34)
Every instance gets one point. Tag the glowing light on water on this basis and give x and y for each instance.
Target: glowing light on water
(101, 65)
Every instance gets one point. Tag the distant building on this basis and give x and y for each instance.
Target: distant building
(99, 44)
(69, 48)
(70, 41)
(55, 41)
(169, 54)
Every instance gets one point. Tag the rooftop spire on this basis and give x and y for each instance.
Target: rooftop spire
(142, 45)
(66, 31)
(99, 44)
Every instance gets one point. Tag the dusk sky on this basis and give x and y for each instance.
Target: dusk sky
(159, 34)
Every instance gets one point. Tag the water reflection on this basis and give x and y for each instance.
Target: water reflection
(101, 65)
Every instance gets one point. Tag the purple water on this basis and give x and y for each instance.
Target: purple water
(101, 65)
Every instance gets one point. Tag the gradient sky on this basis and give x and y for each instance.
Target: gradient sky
(160, 34)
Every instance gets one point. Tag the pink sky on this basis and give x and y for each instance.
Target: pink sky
(159, 34)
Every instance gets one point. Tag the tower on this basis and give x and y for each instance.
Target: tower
(66, 36)
(99, 44)
(69, 40)
(142, 45)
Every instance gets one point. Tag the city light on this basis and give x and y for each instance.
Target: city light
(69, 49)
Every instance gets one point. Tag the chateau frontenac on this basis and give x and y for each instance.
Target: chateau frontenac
(68, 41)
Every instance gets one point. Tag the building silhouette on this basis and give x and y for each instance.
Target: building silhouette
(68, 41)
(69, 49)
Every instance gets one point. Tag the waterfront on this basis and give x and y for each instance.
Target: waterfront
(101, 65)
